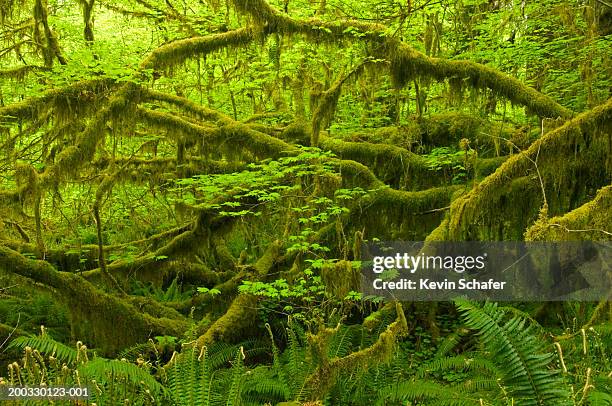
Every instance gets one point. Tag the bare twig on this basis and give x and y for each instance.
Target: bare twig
(586, 230)
(534, 162)
(12, 332)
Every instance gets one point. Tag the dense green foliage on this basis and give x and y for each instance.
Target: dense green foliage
(185, 188)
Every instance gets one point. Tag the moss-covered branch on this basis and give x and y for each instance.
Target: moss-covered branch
(177, 51)
(157, 170)
(326, 105)
(71, 159)
(21, 72)
(104, 320)
(572, 159)
(228, 132)
(318, 383)
(77, 93)
(241, 315)
(52, 48)
(406, 62)
(393, 165)
(592, 221)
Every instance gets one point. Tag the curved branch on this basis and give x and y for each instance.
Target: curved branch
(110, 322)
(482, 203)
(177, 51)
(406, 62)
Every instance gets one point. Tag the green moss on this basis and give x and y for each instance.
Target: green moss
(228, 132)
(326, 104)
(241, 316)
(185, 105)
(180, 125)
(340, 278)
(297, 132)
(486, 166)
(399, 215)
(591, 221)
(177, 51)
(20, 73)
(407, 63)
(77, 93)
(440, 233)
(377, 318)
(393, 165)
(12, 332)
(572, 161)
(104, 320)
(223, 255)
(318, 383)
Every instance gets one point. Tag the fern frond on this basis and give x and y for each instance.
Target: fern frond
(341, 343)
(518, 353)
(449, 343)
(190, 378)
(235, 389)
(597, 398)
(131, 353)
(119, 372)
(458, 363)
(263, 389)
(481, 385)
(47, 346)
(297, 367)
(427, 392)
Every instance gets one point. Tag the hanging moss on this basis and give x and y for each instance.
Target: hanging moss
(407, 63)
(405, 136)
(399, 215)
(229, 133)
(52, 49)
(177, 51)
(20, 73)
(33, 108)
(260, 144)
(184, 245)
(157, 171)
(71, 159)
(450, 127)
(572, 161)
(108, 322)
(591, 222)
(327, 102)
(340, 278)
(187, 106)
(162, 120)
(271, 20)
(324, 377)
(224, 257)
(392, 165)
(27, 180)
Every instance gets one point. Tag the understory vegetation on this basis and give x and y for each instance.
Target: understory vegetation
(186, 189)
